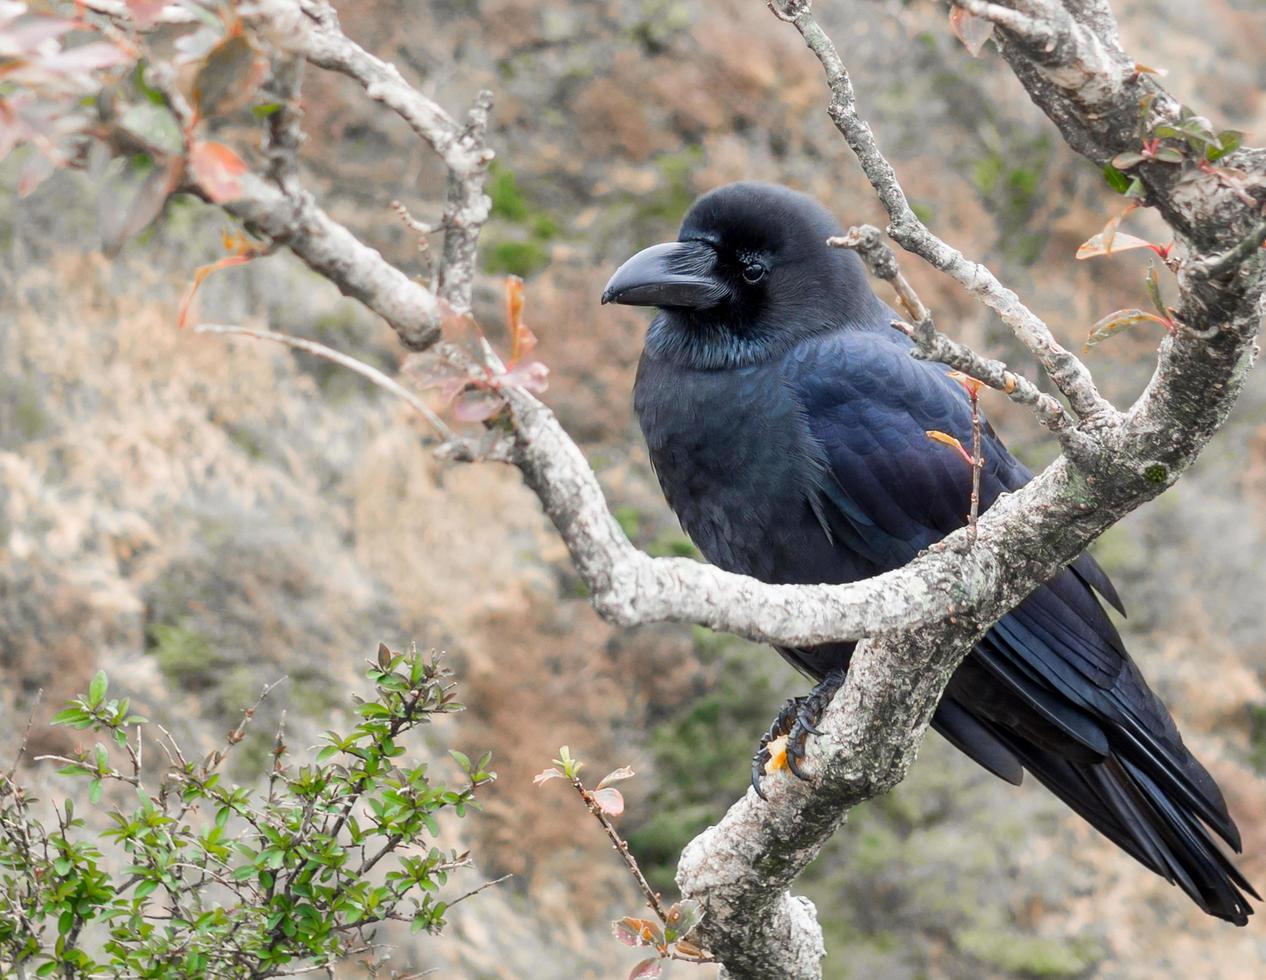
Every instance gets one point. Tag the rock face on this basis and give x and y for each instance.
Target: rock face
(201, 517)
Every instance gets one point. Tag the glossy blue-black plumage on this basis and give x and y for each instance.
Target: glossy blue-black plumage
(787, 425)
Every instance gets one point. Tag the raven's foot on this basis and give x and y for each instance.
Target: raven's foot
(784, 743)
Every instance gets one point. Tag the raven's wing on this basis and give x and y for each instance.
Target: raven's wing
(1051, 686)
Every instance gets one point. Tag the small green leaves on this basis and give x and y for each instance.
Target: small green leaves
(288, 875)
(97, 689)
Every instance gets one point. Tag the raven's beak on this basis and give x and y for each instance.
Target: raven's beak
(675, 274)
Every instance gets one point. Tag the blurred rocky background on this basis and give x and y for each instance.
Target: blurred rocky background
(200, 517)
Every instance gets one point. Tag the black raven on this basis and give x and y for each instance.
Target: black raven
(786, 421)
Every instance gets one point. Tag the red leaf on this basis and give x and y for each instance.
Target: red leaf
(609, 801)
(522, 340)
(1119, 241)
(201, 273)
(637, 932)
(973, 385)
(218, 170)
(973, 31)
(648, 970)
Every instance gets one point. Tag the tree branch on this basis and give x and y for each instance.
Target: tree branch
(933, 345)
(1064, 369)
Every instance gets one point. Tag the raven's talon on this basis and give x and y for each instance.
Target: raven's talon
(796, 721)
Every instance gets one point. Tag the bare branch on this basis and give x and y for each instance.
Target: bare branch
(328, 248)
(460, 145)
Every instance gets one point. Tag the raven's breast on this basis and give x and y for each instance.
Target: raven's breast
(736, 463)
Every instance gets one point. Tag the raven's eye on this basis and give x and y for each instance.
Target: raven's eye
(753, 273)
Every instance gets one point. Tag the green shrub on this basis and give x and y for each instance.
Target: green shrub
(205, 878)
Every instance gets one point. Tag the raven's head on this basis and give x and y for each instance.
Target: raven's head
(749, 275)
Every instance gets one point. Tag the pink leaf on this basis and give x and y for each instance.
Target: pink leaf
(973, 31)
(145, 12)
(476, 405)
(609, 801)
(648, 970)
(87, 58)
(218, 170)
(530, 375)
(27, 36)
(615, 776)
(546, 775)
(1101, 244)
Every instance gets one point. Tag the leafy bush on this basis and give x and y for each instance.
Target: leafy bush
(205, 878)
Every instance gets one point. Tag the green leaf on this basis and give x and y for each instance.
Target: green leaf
(1118, 181)
(1154, 291)
(243, 872)
(1169, 154)
(327, 753)
(97, 689)
(146, 888)
(94, 792)
(69, 716)
(461, 758)
(1229, 141)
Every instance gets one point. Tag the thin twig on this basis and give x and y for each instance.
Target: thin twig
(343, 360)
(618, 842)
(476, 891)
(26, 735)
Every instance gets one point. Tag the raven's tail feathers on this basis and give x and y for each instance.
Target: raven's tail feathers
(1127, 806)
